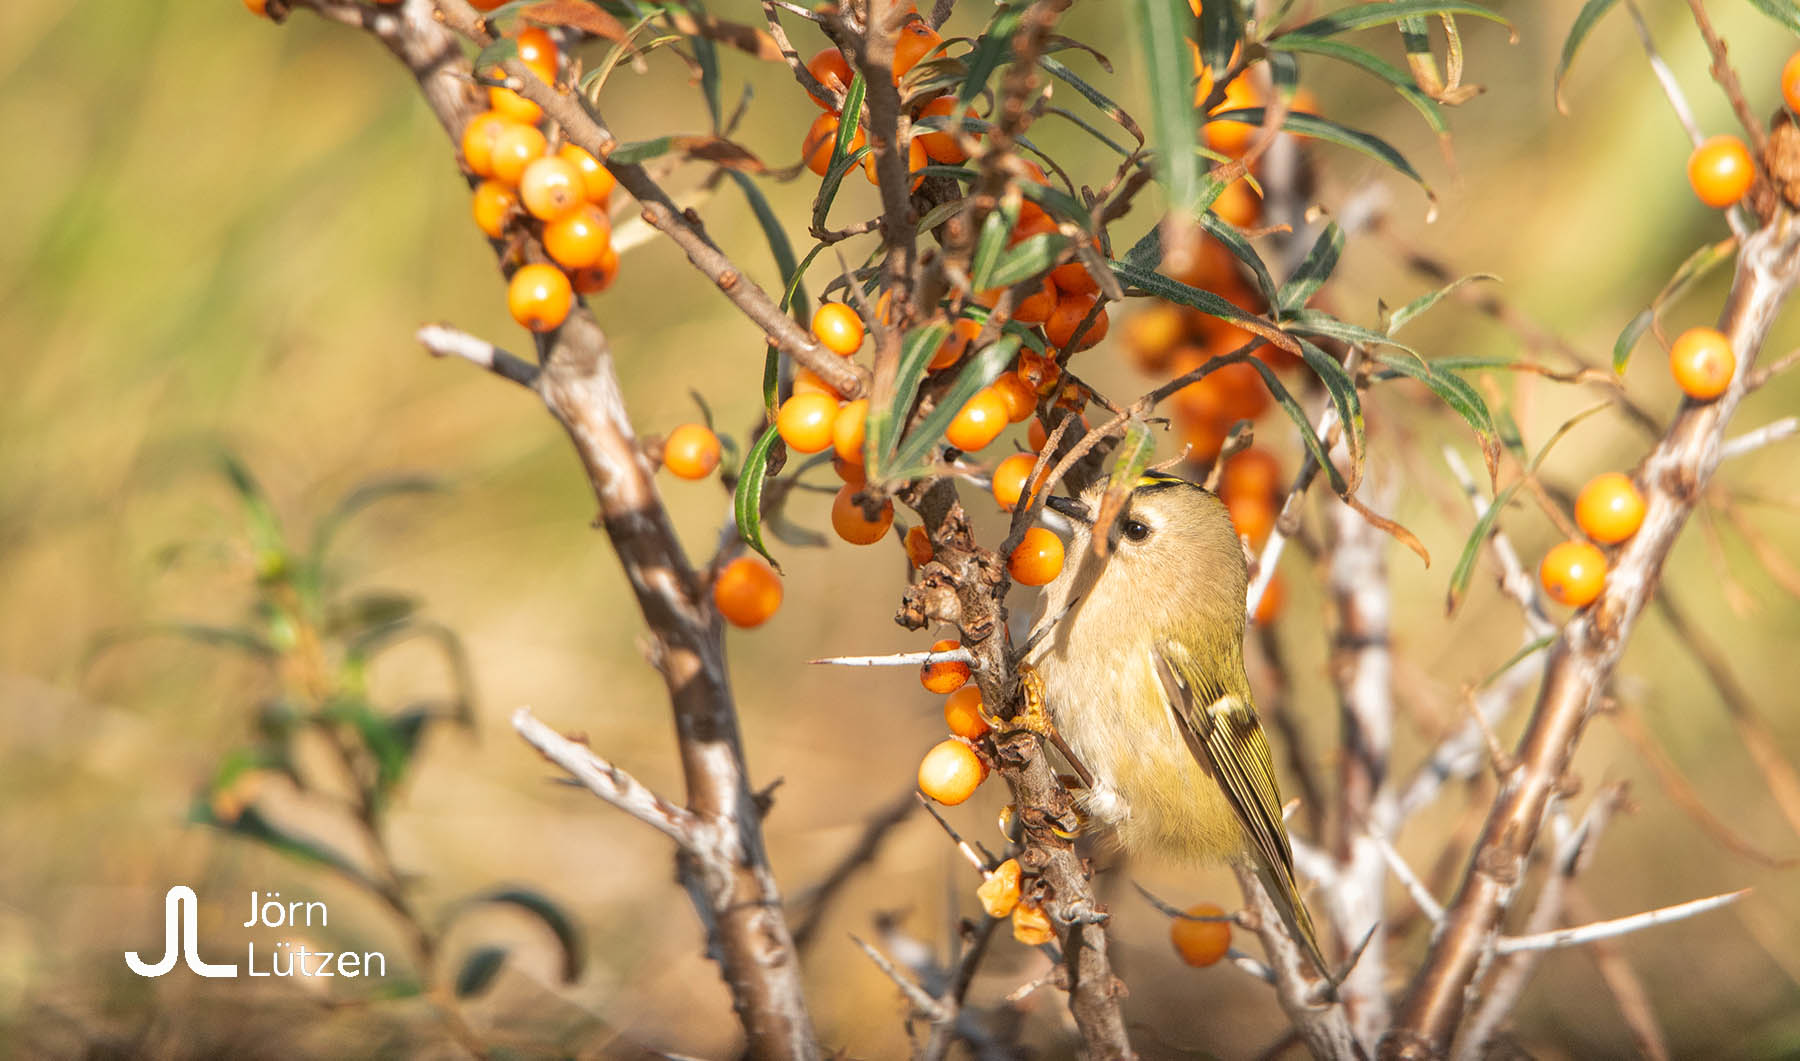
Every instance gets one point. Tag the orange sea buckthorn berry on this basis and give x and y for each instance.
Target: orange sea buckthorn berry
(951, 772)
(999, 892)
(832, 70)
(537, 50)
(806, 381)
(1070, 311)
(821, 137)
(579, 239)
(539, 296)
(1009, 479)
(978, 422)
(1241, 387)
(1152, 333)
(962, 713)
(1268, 609)
(691, 451)
(918, 546)
(1033, 222)
(916, 160)
(1609, 508)
(838, 327)
(598, 276)
(1201, 943)
(1074, 279)
(914, 42)
(852, 525)
(747, 592)
(259, 8)
(945, 677)
(1721, 171)
(1233, 138)
(491, 205)
(951, 350)
(1573, 573)
(851, 474)
(478, 141)
(1031, 926)
(1253, 515)
(597, 181)
(1252, 473)
(849, 430)
(1020, 399)
(1037, 559)
(1238, 205)
(515, 148)
(805, 422)
(551, 187)
(1036, 307)
(515, 107)
(941, 146)
(1702, 363)
(1790, 83)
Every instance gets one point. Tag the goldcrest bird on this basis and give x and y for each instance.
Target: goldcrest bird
(1141, 658)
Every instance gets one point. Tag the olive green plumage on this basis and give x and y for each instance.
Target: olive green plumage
(1144, 678)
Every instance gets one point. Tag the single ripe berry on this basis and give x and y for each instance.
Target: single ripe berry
(918, 546)
(979, 422)
(951, 772)
(1609, 508)
(806, 381)
(1241, 389)
(1253, 515)
(1037, 559)
(962, 713)
(516, 147)
(916, 160)
(851, 474)
(551, 187)
(747, 592)
(1201, 942)
(259, 8)
(537, 50)
(851, 524)
(1720, 170)
(1036, 307)
(1252, 473)
(1573, 573)
(598, 276)
(691, 451)
(1268, 609)
(832, 70)
(1702, 363)
(1020, 399)
(951, 350)
(1790, 83)
(1070, 311)
(1009, 479)
(1031, 926)
(539, 296)
(943, 677)
(1233, 138)
(805, 422)
(849, 430)
(821, 139)
(478, 141)
(596, 180)
(491, 205)
(941, 146)
(914, 42)
(1238, 205)
(1073, 278)
(579, 239)
(999, 892)
(838, 327)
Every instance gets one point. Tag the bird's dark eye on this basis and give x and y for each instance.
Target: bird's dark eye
(1135, 531)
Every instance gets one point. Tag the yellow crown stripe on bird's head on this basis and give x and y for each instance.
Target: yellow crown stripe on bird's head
(1160, 480)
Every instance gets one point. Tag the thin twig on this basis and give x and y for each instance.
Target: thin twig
(1618, 926)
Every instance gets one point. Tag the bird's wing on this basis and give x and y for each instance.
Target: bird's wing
(1226, 738)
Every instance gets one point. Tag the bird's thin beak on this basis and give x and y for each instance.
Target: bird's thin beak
(1071, 507)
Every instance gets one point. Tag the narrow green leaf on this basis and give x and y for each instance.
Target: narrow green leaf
(642, 150)
(1154, 283)
(379, 739)
(1399, 80)
(478, 970)
(1585, 21)
(1031, 257)
(1531, 649)
(1401, 317)
(502, 49)
(365, 611)
(996, 229)
(707, 56)
(1379, 12)
(1692, 269)
(1093, 95)
(879, 432)
(1131, 457)
(850, 120)
(1240, 248)
(982, 369)
(746, 500)
(1318, 322)
(551, 914)
(1314, 444)
(994, 44)
(1459, 395)
(1314, 270)
(1782, 11)
(834, 179)
(773, 230)
(1331, 132)
(1562, 432)
(1163, 27)
(360, 499)
(1058, 204)
(251, 823)
(1628, 338)
(1341, 388)
(1221, 31)
(1465, 564)
(240, 638)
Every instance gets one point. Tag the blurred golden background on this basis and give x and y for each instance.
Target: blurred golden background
(219, 233)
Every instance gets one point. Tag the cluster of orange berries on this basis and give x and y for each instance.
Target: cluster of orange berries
(951, 771)
(1721, 170)
(562, 196)
(1251, 490)
(830, 68)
